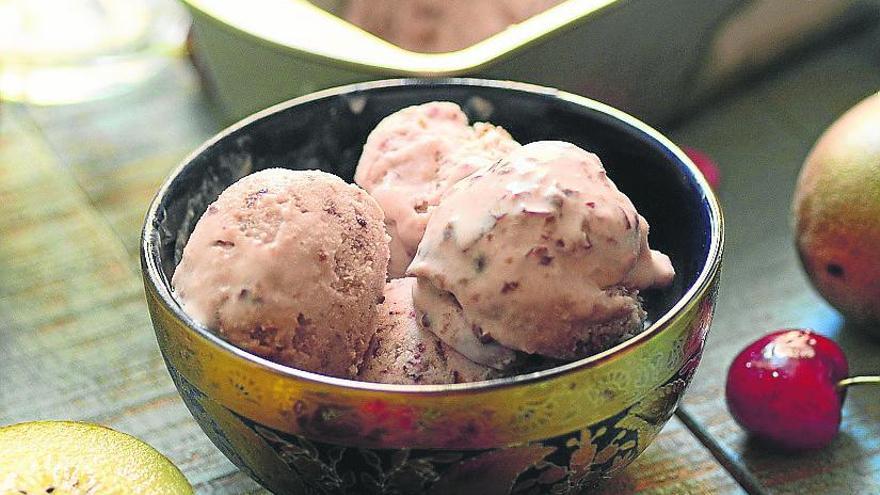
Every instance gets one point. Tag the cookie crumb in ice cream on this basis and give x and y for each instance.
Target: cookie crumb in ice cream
(404, 352)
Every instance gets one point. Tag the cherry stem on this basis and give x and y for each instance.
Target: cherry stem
(858, 380)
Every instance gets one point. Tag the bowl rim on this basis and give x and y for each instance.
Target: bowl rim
(155, 279)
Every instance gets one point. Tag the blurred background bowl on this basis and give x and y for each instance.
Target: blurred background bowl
(557, 430)
(652, 58)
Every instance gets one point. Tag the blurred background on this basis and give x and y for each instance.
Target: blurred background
(653, 58)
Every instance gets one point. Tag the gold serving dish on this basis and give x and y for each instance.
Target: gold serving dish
(559, 429)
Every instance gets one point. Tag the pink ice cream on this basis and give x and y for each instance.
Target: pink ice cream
(440, 25)
(539, 253)
(413, 157)
(439, 311)
(289, 265)
(403, 352)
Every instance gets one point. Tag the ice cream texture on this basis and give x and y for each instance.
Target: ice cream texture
(440, 25)
(539, 253)
(413, 157)
(289, 265)
(507, 251)
(404, 352)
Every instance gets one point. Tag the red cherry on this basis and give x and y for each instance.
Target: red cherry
(785, 388)
(703, 162)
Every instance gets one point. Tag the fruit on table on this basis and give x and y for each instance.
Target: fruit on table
(785, 388)
(71, 458)
(706, 166)
(837, 213)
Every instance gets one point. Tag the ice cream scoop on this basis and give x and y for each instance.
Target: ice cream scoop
(288, 265)
(402, 352)
(542, 254)
(413, 157)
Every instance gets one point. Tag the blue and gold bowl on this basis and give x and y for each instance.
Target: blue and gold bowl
(553, 431)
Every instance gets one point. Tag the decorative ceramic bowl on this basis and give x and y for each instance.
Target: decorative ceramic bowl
(552, 431)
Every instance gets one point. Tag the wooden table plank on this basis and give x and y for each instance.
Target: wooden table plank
(675, 463)
(760, 136)
(119, 150)
(75, 337)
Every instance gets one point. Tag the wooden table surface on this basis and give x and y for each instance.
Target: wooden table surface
(76, 341)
